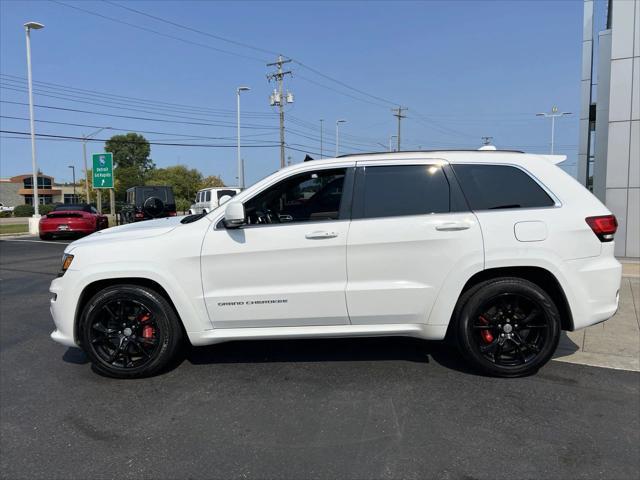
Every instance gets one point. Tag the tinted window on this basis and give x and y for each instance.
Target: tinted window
(391, 191)
(309, 196)
(222, 193)
(208, 197)
(490, 187)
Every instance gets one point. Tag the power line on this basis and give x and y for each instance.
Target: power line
(121, 129)
(139, 27)
(101, 104)
(201, 32)
(56, 86)
(245, 45)
(169, 144)
(133, 117)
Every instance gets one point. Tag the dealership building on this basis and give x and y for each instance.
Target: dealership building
(18, 190)
(609, 144)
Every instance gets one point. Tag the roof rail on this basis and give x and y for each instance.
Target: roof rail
(431, 151)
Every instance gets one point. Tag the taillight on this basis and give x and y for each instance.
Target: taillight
(172, 214)
(139, 215)
(604, 226)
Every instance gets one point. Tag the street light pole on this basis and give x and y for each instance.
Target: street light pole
(338, 122)
(84, 159)
(34, 166)
(240, 166)
(553, 114)
(73, 170)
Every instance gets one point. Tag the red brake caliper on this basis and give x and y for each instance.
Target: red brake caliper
(487, 336)
(147, 330)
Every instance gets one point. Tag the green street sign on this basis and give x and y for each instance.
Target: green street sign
(102, 170)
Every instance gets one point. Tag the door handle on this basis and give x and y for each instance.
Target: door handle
(321, 234)
(453, 226)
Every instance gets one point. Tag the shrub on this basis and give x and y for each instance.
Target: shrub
(5, 214)
(23, 211)
(44, 209)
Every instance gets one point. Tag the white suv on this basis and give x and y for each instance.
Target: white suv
(497, 250)
(209, 199)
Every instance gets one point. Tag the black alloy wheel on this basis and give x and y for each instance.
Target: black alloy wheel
(508, 327)
(129, 331)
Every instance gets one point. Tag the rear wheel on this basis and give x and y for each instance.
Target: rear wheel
(507, 327)
(130, 331)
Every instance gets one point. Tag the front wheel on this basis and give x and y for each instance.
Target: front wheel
(507, 327)
(129, 331)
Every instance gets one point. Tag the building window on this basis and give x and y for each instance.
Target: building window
(71, 198)
(43, 182)
(42, 199)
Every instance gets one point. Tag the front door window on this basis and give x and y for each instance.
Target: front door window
(309, 196)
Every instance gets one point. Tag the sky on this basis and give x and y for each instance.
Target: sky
(464, 70)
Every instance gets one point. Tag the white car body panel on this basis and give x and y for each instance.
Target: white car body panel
(389, 276)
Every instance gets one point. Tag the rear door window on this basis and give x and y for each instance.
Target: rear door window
(399, 190)
(491, 187)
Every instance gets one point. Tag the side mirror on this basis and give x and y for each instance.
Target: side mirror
(224, 199)
(234, 215)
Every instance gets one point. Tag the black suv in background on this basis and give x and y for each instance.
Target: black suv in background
(148, 202)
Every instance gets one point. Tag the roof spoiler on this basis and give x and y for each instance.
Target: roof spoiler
(555, 159)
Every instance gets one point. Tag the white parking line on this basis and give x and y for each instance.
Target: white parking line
(37, 241)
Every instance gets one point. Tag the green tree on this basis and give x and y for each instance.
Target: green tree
(212, 181)
(184, 181)
(131, 158)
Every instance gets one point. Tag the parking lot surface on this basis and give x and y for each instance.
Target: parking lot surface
(364, 408)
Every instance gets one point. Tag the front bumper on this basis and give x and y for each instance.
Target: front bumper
(62, 306)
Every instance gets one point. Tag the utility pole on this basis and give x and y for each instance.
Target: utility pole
(552, 115)
(398, 113)
(486, 140)
(278, 98)
(321, 134)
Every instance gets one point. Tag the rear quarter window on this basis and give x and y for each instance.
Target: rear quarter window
(491, 187)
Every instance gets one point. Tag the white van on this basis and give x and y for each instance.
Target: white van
(208, 199)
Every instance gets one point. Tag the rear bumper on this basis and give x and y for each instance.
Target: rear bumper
(71, 228)
(595, 287)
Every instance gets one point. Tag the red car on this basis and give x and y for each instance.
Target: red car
(67, 219)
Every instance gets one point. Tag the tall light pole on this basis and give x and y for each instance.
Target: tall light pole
(553, 114)
(240, 169)
(84, 159)
(338, 122)
(391, 137)
(34, 166)
(321, 136)
(73, 169)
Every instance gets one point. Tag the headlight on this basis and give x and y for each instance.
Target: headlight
(66, 262)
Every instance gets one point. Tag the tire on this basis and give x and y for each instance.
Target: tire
(129, 331)
(46, 236)
(507, 327)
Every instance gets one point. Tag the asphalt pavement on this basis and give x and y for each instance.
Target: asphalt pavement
(361, 409)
